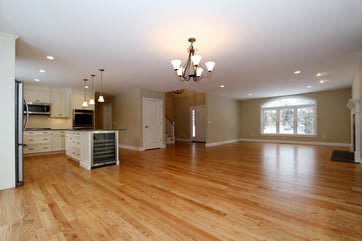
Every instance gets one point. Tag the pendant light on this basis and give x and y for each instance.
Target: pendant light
(85, 103)
(101, 98)
(91, 101)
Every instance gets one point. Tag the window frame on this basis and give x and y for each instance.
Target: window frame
(295, 116)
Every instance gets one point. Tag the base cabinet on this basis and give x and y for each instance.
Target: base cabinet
(37, 142)
(44, 141)
(72, 145)
(58, 141)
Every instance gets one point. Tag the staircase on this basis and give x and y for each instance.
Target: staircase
(170, 131)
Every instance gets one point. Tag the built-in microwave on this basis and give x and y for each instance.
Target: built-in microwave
(37, 108)
(83, 119)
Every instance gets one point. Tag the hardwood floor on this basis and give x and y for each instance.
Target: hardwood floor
(239, 191)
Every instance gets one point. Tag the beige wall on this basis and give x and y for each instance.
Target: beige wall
(222, 119)
(127, 114)
(333, 123)
(182, 105)
(169, 106)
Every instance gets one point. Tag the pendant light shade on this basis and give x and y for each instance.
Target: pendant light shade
(101, 98)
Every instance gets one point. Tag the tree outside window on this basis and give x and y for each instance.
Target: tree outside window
(269, 121)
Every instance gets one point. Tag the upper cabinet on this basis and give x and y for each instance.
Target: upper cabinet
(61, 102)
(78, 99)
(36, 94)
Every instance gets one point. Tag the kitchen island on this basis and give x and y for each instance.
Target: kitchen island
(92, 148)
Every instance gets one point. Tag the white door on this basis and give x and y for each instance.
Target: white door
(152, 123)
(198, 129)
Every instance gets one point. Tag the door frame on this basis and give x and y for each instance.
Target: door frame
(161, 131)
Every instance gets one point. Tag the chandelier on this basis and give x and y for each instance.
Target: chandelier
(191, 69)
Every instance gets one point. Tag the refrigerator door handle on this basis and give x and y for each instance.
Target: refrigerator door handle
(27, 114)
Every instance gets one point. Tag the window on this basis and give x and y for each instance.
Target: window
(289, 116)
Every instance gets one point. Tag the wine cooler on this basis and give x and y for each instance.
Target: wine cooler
(104, 149)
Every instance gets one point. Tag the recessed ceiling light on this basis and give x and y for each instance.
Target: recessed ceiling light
(222, 86)
(309, 86)
(320, 74)
(323, 81)
(50, 57)
(37, 80)
(250, 94)
(41, 71)
(297, 72)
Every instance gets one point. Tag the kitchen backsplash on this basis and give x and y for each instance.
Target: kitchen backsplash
(40, 121)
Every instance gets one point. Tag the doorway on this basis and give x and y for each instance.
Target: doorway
(107, 116)
(198, 127)
(152, 123)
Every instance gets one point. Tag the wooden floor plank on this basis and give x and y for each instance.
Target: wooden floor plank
(238, 191)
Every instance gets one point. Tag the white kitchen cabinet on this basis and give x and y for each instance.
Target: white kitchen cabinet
(37, 141)
(60, 102)
(72, 145)
(36, 94)
(78, 99)
(58, 140)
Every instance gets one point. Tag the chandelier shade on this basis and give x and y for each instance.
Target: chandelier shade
(192, 68)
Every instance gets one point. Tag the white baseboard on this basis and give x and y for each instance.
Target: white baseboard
(133, 148)
(357, 157)
(300, 142)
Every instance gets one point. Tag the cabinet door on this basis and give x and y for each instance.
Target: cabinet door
(60, 102)
(37, 94)
(58, 141)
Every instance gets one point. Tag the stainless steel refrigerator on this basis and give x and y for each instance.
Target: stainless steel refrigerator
(21, 119)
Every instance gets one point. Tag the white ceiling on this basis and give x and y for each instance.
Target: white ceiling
(256, 44)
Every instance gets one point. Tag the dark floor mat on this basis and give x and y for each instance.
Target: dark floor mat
(342, 156)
